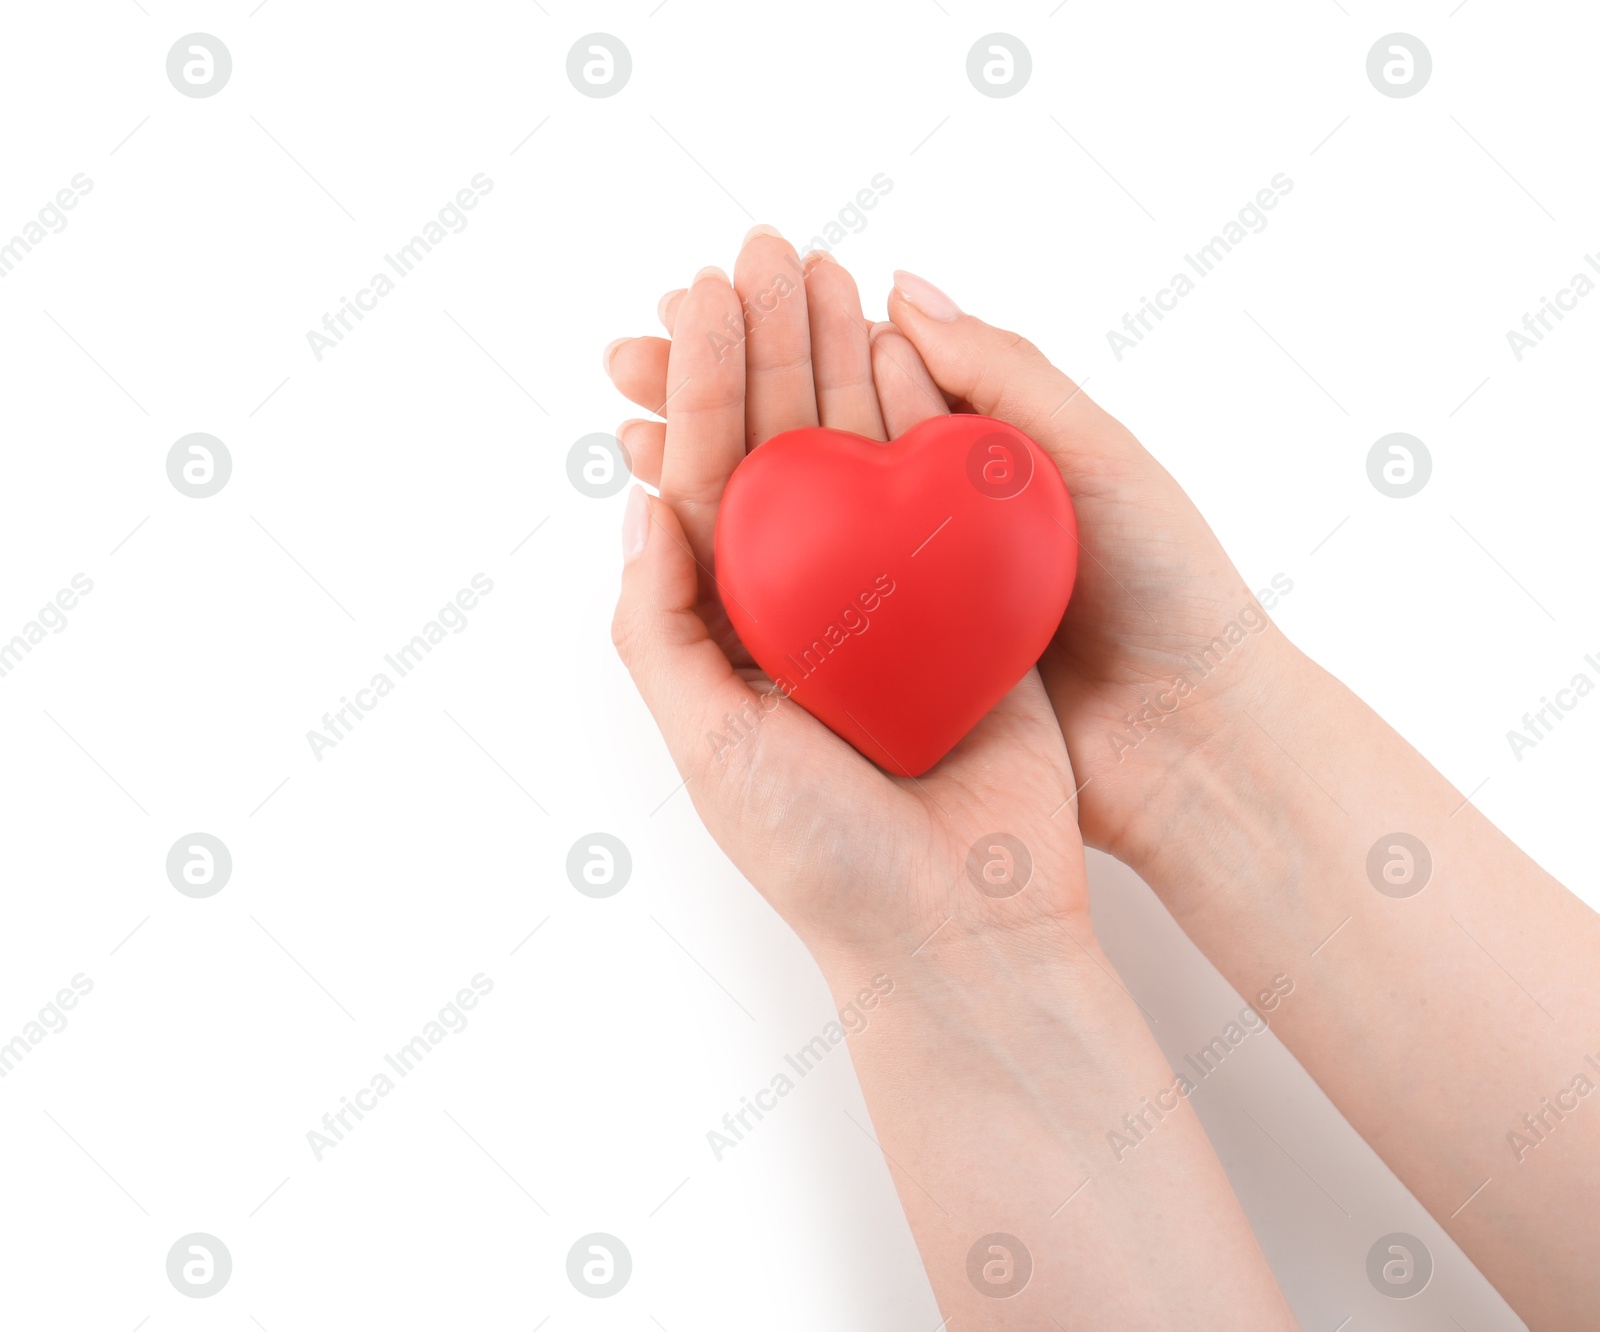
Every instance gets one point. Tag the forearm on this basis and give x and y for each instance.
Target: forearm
(1000, 1075)
(1440, 1008)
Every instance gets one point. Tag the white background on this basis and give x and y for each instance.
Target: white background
(373, 484)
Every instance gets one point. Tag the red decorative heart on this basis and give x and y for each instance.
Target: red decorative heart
(897, 591)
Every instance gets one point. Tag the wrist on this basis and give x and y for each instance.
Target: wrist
(964, 910)
(961, 968)
(1248, 781)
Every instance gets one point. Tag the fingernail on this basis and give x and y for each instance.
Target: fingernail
(661, 305)
(924, 296)
(610, 351)
(710, 271)
(814, 257)
(883, 325)
(635, 524)
(760, 229)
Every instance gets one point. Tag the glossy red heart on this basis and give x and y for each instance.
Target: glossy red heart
(897, 591)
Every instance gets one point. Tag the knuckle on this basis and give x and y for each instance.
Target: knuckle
(988, 384)
(625, 633)
(1016, 346)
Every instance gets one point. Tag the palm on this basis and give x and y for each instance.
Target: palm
(1149, 642)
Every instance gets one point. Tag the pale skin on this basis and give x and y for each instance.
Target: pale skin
(1445, 1025)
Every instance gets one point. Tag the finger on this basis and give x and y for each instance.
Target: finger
(779, 393)
(667, 307)
(705, 429)
(638, 368)
(1005, 376)
(841, 350)
(681, 673)
(740, 749)
(645, 442)
(906, 391)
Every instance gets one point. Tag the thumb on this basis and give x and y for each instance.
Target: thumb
(682, 674)
(1004, 375)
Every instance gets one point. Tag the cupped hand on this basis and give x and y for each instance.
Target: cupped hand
(1163, 648)
(861, 863)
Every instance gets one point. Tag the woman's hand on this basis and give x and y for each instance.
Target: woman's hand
(853, 858)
